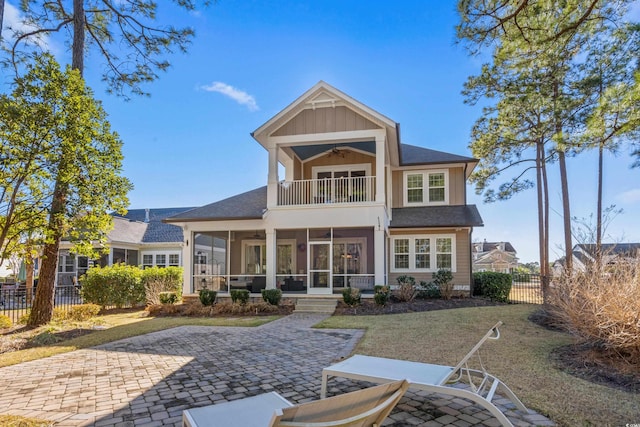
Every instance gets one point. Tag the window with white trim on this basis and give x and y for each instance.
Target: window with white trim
(174, 260)
(147, 261)
(426, 253)
(426, 187)
(161, 260)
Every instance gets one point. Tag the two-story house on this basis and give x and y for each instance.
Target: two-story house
(353, 207)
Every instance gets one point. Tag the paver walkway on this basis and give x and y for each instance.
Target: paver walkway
(149, 380)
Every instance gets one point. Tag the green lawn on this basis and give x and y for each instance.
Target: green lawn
(520, 358)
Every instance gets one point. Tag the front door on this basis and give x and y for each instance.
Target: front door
(320, 262)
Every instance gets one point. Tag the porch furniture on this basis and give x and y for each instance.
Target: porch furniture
(362, 408)
(292, 285)
(257, 284)
(361, 282)
(430, 377)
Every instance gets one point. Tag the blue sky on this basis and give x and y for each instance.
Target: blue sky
(189, 144)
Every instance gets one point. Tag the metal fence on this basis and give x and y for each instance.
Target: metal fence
(526, 289)
(15, 301)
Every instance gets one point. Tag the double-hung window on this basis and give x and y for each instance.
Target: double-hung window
(426, 187)
(424, 253)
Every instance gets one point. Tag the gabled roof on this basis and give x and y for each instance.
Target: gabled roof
(413, 155)
(489, 246)
(155, 231)
(436, 216)
(249, 205)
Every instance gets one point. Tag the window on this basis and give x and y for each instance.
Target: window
(161, 260)
(66, 264)
(255, 257)
(147, 261)
(424, 253)
(285, 257)
(415, 188)
(426, 188)
(401, 253)
(444, 253)
(174, 260)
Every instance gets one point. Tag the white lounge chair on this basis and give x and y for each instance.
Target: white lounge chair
(363, 408)
(429, 377)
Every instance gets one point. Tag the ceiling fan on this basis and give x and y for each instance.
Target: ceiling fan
(335, 151)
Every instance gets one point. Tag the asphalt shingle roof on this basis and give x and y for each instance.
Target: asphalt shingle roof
(156, 231)
(413, 155)
(436, 216)
(249, 205)
(489, 246)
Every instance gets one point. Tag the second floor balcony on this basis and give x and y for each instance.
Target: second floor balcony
(323, 191)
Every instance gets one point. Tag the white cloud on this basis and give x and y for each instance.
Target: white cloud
(14, 23)
(629, 197)
(240, 96)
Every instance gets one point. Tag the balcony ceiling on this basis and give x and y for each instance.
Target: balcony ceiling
(305, 152)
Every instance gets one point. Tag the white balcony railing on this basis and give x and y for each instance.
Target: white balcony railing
(327, 191)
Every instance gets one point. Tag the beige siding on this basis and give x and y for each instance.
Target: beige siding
(324, 120)
(456, 187)
(463, 268)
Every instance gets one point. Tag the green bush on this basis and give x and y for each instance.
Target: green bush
(406, 288)
(83, 312)
(240, 296)
(5, 321)
(272, 296)
(118, 285)
(495, 286)
(207, 296)
(381, 294)
(351, 296)
(157, 280)
(168, 298)
(428, 290)
(443, 279)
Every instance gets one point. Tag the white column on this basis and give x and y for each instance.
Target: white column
(272, 181)
(380, 171)
(187, 262)
(378, 255)
(271, 258)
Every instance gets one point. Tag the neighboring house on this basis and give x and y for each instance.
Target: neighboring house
(494, 256)
(355, 207)
(584, 255)
(138, 238)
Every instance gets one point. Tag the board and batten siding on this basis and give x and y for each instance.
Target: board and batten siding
(324, 120)
(347, 157)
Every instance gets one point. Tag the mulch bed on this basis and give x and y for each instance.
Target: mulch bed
(368, 307)
(592, 363)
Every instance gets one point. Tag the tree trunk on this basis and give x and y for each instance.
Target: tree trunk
(42, 309)
(566, 212)
(1, 17)
(599, 209)
(543, 222)
(77, 60)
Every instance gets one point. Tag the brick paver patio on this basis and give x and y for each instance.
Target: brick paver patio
(149, 380)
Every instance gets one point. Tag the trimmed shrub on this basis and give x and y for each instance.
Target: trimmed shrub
(60, 314)
(167, 298)
(5, 321)
(272, 296)
(157, 280)
(495, 286)
(406, 289)
(443, 279)
(118, 285)
(207, 297)
(83, 312)
(428, 290)
(381, 294)
(240, 296)
(351, 296)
